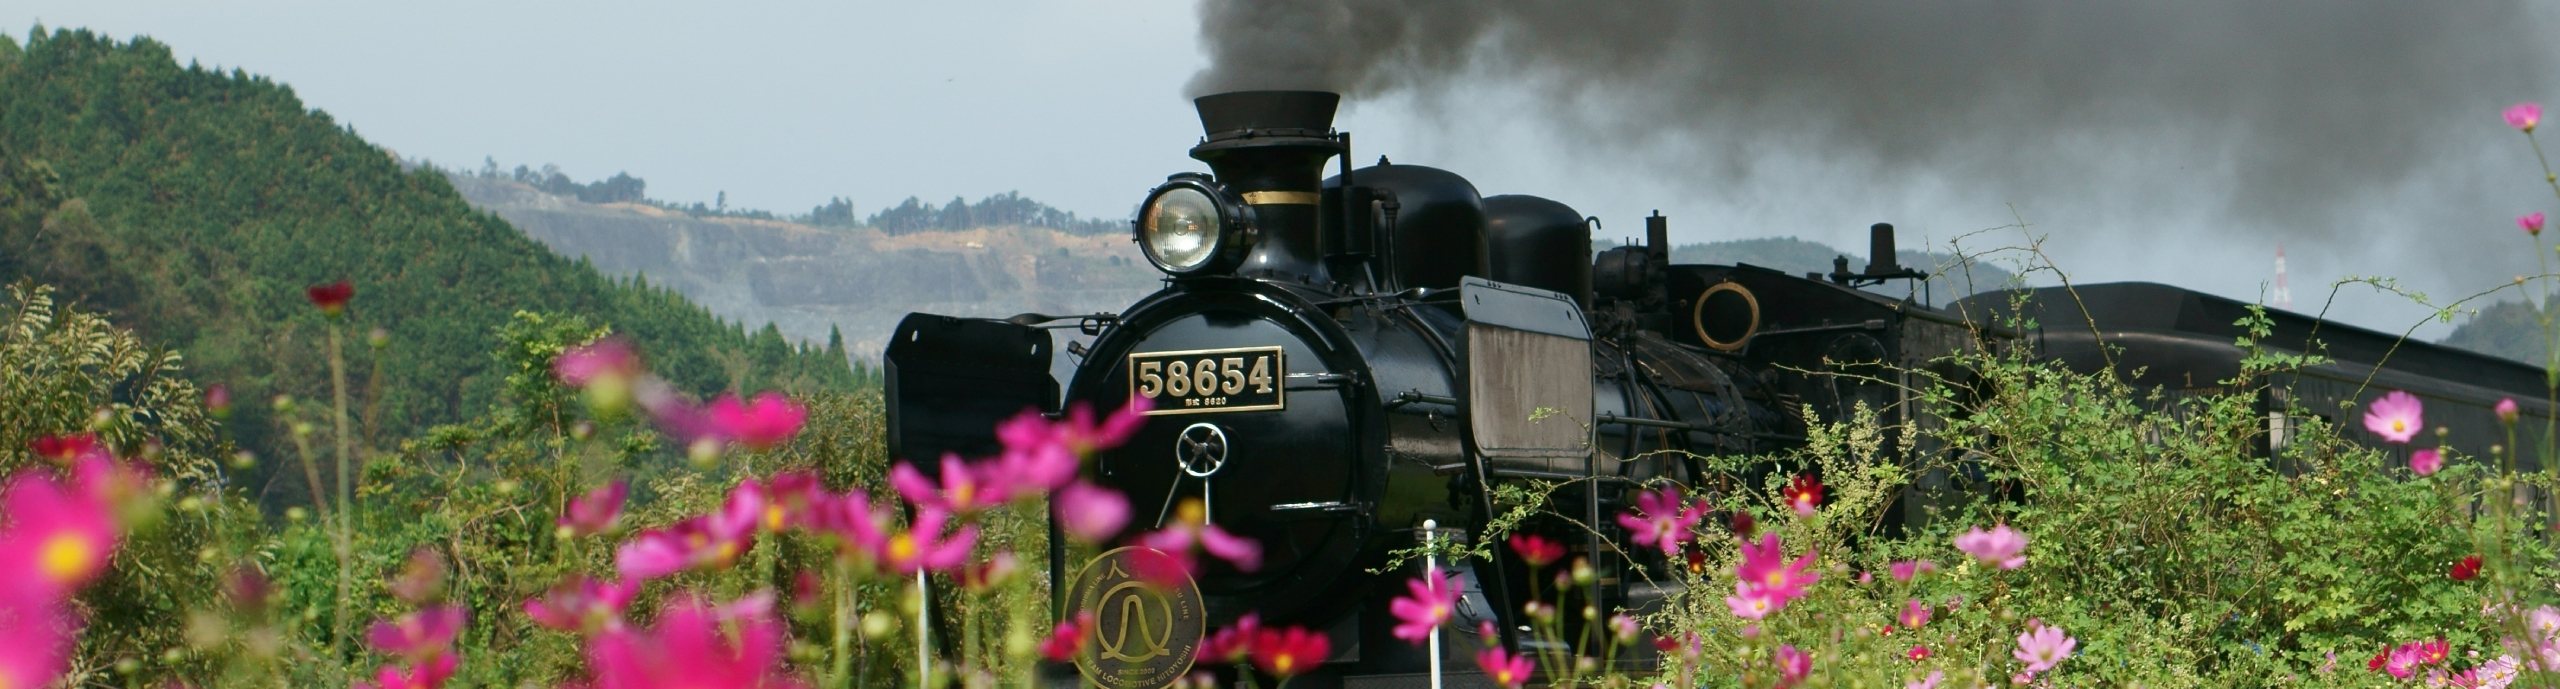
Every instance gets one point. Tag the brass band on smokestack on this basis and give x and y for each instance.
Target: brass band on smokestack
(1269, 148)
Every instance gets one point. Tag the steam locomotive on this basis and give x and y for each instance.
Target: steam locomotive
(1335, 362)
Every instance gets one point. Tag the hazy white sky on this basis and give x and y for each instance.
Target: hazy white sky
(1079, 104)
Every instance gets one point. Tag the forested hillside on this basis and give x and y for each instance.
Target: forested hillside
(195, 205)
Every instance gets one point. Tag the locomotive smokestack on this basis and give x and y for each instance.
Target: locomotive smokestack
(1880, 252)
(1269, 148)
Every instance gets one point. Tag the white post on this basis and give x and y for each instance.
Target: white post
(1431, 570)
(924, 612)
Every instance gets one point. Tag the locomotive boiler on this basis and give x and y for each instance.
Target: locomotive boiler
(1335, 361)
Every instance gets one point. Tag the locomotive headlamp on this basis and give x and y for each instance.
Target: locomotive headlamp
(1190, 227)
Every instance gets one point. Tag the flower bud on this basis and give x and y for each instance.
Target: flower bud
(508, 486)
(582, 430)
(1583, 574)
(878, 625)
(296, 514)
(244, 460)
(378, 338)
(283, 404)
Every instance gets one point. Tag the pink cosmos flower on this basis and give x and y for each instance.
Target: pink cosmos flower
(610, 360)
(1793, 665)
(1929, 682)
(1753, 602)
(596, 512)
(1090, 513)
(692, 646)
(762, 424)
(2544, 623)
(2043, 646)
(419, 636)
(426, 675)
(1804, 494)
(1906, 569)
(1766, 567)
(2466, 570)
(1040, 455)
(1434, 599)
(421, 579)
(1067, 638)
(1917, 653)
(1536, 550)
(997, 569)
(2506, 408)
(2001, 546)
(1505, 669)
(2523, 116)
(2396, 416)
(57, 539)
(923, 546)
(1290, 651)
(704, 542)
(1191, 528)
(1915, 614)
(963, 489)
(2426, 462)
(794, 499)
(217, 400)
(1232, 644)
(582, 605)
(2531, 223)
(1662, 519)
(36, 641)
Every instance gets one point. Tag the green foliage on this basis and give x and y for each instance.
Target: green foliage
(194, 206)
(2509, 329)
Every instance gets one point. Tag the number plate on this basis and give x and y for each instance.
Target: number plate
(1209, 380)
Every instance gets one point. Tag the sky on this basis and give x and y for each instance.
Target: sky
(782, 105)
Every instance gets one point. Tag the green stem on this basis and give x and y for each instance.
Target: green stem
(346, 499)
(838, 671)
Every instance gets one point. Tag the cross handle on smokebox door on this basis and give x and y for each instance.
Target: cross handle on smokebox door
(1199, 451)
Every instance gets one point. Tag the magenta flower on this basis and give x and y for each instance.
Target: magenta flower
(689, 544)
(582, 605)
(962, 490)
(2506, 408)
(1905, 570)
(1291, 651)
(1804, 494)
(332, 298)
(692, 646)
(1536, 550)
(596, 512)
(419, 636)
(1766, 567)
(1191, 528)
(1434, 599)
(1040, 455)
(217, 400)
(759, 425)
(677, 416)
(1753, 602)
(2001, 546)
(1929, 682)
(605, 360)
(2396, 416)
(421, 579)
(1067, 638)
(923, 547)
(36, 642)
(66, 449)
(1662, 519)
(1090, 513)
(1793, 665)
(1505, 669)
(2426, 462)
(2531, 223)
(2043, 646)
(1915, 614)
(57, 539)
(2523, 116)
(1232, 644)
(426, 675)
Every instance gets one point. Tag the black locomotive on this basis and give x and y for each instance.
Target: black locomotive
(1335, 361)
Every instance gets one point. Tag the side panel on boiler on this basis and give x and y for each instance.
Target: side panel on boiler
(1524, 350)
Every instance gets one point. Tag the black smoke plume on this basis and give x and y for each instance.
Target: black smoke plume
(2291, 116)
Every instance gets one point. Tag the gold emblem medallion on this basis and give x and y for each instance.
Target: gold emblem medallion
(1144, 636)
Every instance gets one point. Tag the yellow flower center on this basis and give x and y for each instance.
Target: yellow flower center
(2399, 425)
(1282, 663)
(902, 547)
(66, 556)
(1775, 577)
(773, 518)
